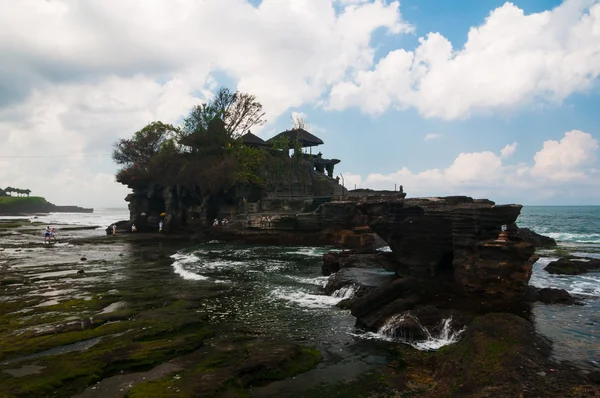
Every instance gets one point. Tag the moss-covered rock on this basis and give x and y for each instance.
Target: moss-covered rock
(228, 370)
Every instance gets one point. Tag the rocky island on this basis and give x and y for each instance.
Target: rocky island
(216, 304)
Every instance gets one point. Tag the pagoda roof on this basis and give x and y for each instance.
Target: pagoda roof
(253, 140)
(305, 138)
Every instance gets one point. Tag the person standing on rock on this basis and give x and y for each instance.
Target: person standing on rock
(133, 228)
(160, 226)
(114, 229)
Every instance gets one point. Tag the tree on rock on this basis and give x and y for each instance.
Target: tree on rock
(138, 153)
(238, 111)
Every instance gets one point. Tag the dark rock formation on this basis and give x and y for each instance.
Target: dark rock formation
(333, 223)
(334, 261)
(122, 226)
(572, 265)
(458, 236)
(363, 279)
(549, 296)
(536, 239)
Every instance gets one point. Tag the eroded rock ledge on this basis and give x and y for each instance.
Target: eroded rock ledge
(450, 257)
(458, 238)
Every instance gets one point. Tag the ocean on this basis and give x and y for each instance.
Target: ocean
(575, 330)
(283, 284)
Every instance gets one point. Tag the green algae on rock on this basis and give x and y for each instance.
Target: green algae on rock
(230, 370)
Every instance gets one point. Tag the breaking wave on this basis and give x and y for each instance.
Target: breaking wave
(313, 300)
(181, 260)
(392, 331)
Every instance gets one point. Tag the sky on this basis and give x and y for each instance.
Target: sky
(481, 98)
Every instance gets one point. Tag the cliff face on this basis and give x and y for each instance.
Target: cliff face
(458, 236)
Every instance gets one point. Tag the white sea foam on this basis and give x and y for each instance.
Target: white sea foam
(185, 274)
(346, 292)
(182, 262)
(308, 251)
(573, 237)
(388, 332)
(305, 299)
(100, 217)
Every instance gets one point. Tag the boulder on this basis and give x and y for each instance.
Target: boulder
(374, 308)
(549, 295)
(122, 226)
(572, 265)
(536, 239)
(364, 279)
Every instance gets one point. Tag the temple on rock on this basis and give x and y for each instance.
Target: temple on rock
(295, 181)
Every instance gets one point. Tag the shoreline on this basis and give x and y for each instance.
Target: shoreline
(145, 258)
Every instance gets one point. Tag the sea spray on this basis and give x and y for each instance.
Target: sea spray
(346, 292)
(406, 328)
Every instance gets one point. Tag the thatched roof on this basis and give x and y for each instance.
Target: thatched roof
(306, 139)
(252, 140)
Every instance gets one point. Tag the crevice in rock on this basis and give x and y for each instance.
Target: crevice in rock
(445, 267)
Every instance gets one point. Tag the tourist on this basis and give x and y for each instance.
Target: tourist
(133, 228)
(114, 229)
(215, 223)
(52, 234)
(47, 234)
(224, 222)
(160, 226)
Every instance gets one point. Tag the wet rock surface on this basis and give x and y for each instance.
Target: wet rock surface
(334, 261)
(363, 279)
(573, 265)
(550, 296)
(125, 326)
(119, 322)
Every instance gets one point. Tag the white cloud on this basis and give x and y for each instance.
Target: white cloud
(511, 60)
(508, 150)
(51, 130)
(76, 76)
(564, 160)
(432, 136)
(297, 47)
(483, 174)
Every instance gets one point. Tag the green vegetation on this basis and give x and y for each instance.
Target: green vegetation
(230, 371)
(9, 204)
(146, 333)
(206, 157)
(10, 190)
